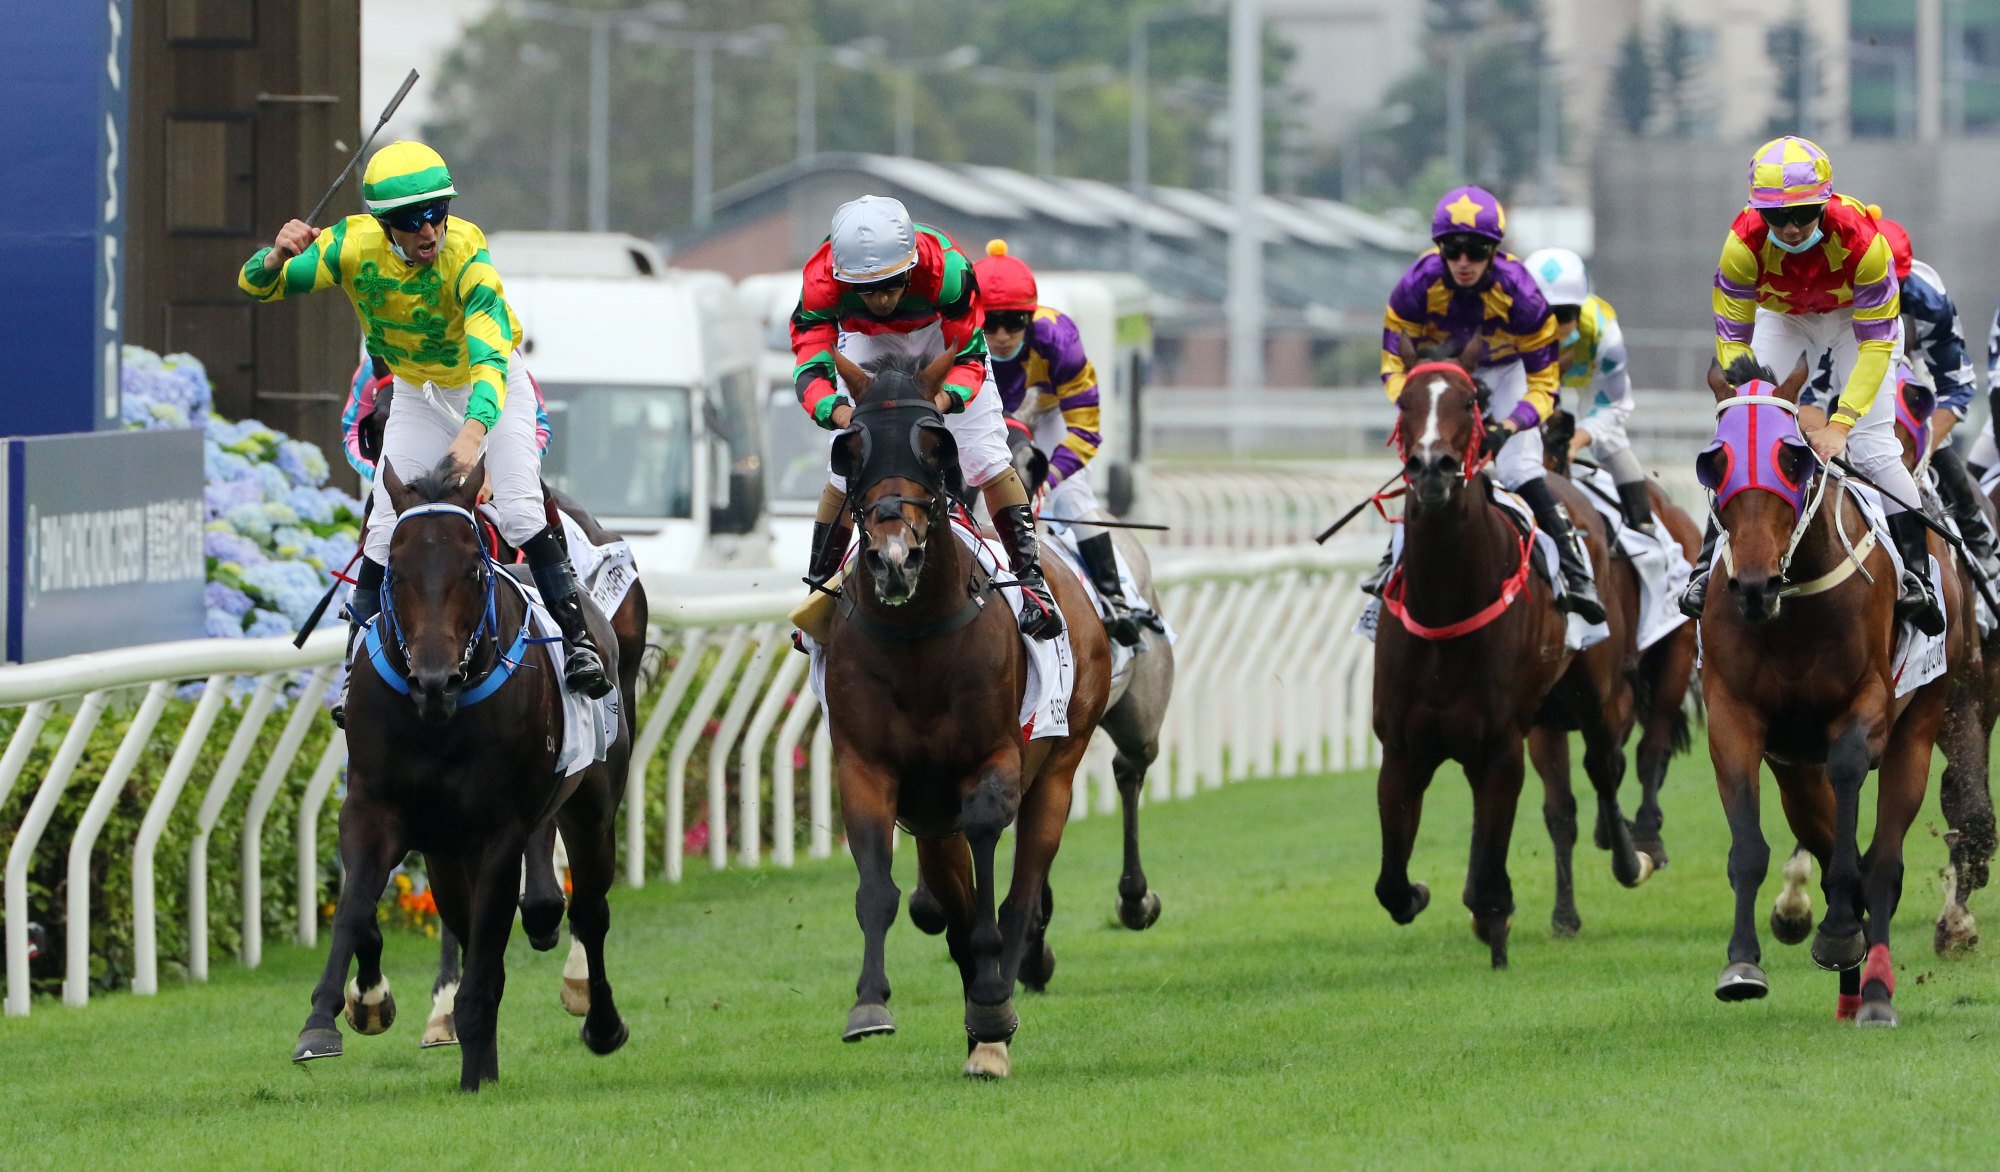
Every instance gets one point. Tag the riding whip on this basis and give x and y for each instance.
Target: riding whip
(388, 112)
(1337, 526)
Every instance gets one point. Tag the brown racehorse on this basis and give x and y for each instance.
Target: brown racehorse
(1798, 675)
(925, 674)
(1660, 675)
(1479, 659)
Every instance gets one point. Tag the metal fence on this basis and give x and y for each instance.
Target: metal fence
(1268, 684)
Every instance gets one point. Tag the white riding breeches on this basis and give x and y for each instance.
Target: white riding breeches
(1781, 340)
(419, 432)
(1606, 425)
(980, 429)
(1073, 498)
(1520, 458)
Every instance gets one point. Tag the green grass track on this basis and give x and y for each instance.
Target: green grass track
(1273, 1017)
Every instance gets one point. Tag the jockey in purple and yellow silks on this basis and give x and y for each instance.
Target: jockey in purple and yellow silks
(1466, 287)
(433, 311)
(1046, 381)
(1805, 274)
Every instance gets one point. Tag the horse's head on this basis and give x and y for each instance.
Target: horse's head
(1031, 464)
(1438, 422)
(437, 593)
(901, 467)
(1915, 405)
(1757, 446)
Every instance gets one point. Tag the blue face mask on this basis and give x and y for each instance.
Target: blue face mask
(994, 352)
(1818, 234)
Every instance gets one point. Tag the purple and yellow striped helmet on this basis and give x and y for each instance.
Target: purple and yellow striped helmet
(1789, 171)
(1469, 210)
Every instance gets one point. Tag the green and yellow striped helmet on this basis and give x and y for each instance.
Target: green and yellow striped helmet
(404, 173)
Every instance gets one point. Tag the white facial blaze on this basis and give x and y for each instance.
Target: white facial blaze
(1430, 436)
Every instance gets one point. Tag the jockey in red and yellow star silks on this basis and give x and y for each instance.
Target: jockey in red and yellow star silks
(1805, 274)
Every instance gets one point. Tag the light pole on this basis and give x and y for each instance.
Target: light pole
(854, 55)
(541, 61)
(1044, 87)
(905, 73)
(740, 43)
(1141, 144)
(1246, 185)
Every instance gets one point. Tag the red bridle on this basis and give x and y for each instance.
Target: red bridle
(1470, 461)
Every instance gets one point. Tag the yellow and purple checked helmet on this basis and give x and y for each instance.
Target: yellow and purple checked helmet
(1473, 211)
(1790, 171)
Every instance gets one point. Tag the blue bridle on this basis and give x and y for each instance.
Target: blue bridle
(489, 622)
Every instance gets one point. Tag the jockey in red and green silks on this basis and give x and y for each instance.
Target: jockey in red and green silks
(1467, 287)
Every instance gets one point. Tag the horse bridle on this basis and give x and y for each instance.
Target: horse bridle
(489, 621)
(1469, 463)
(890, 507)
(1804, 514)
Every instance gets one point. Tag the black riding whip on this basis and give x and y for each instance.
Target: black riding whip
(388, 112)
(1337, 526)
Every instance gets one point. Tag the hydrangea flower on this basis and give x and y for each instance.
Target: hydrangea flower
(220, 596)
(228, 546)
(223, 496)
(266, 623)
(303, 463)
(219, 465)
(311, 504)
(251, 521)
(220, 624)
(292, 588)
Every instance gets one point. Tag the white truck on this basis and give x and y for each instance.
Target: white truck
(651, 378)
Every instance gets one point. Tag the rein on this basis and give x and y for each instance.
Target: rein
(1393, 592)
(975, 604)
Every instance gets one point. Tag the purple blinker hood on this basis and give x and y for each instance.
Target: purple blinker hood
(1749, 438)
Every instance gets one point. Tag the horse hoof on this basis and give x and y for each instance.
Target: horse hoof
(988, 1060)
(1791, 926)
(1139, 914)
(317, 1043)
(373, 1012)
(576, 996)
(1653, 849)
(606, 1044)
(1036, 970)
(545, 943)
(991, 1023)
(1956, 933)
(926, 912)
(865, 1021)
(1838, 953)
(1876, 1013)
(1419, 899)
(439, 1031)
(1791, 912)
(1565, 922)
(1741, 981)
(1642, 864)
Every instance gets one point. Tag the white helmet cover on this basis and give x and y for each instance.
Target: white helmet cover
(873, 239)
(1560, 275)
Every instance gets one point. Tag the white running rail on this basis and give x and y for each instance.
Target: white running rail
(1269, 684)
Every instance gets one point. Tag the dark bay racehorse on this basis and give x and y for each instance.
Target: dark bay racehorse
(1471, 656)
(925, 675)
(469, 784)
(1797, 675)
(1660, 675)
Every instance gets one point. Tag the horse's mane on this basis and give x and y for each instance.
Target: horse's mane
(439, 483)
(1743, 368)
(881, 389)
(1437, 351)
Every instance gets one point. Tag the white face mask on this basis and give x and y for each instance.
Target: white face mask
(1818, 234)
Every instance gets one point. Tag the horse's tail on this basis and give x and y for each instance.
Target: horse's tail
(652, 661)
(1690, 711)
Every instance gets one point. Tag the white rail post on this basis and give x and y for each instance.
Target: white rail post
(646, 744)
(33, 717)
(750, 759)
(145, 908)
(76, 918)
(784, 817)
(22, 852)
(747, 689)
(273, 777)
(820, 797)
(321, 784)
(704, 703)
(255, 714)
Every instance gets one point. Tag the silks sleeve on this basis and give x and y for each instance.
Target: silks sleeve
(958, 322)
(815, 338)
(1535, 342)
(1877, 306)
(1075, 381)
(489, 337)
(1610, 374)
(318, 267)
(1402, 318)
(1735, 300)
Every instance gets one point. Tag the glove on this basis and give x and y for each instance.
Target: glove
(1496, 437)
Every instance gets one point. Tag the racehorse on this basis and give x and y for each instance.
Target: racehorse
(925, 673)
(1477, 658)
(463, 773)
(1797, 674)
(1661, 674)
(542, 901)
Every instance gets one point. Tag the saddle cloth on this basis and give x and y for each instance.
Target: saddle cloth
(589, 726)
(1061, 538)
(1662, 564)
(1051, 662)
(1577, 634)
(606, 571)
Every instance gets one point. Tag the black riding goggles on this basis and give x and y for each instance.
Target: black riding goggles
(414, 217)
(1467, 247)
(886, 285)
(1011, 321)
(1802, 216)
(1566, 315)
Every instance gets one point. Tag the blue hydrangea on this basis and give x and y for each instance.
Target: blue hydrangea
(311, 505)
(221, 466)
(303, 463)
(341, 503)
(251, 521)
(220, 624)
(265, 623)
(227, 545)
(291, 587)
(220, 596)
(272, 482)
(223, 496)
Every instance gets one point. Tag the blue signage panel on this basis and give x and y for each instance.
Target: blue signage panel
(104, 541)
(64, 98)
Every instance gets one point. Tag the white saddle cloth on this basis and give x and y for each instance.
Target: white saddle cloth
(1061, 538)
(1662, 565)
(589, 726)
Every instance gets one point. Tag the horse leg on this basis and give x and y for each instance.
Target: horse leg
(945, 866)
(868, 808)
(1669, 665)
(1489, 893)
(1967, 802)
(1399, 801)
(1549, 749)
(925, 911)
(495, 891)
(542, 894)
(1735, 747)
(1604, 764)
(1899, 795)
(1840, 942)
(370, 845)
(988, 810)
(1138, 904)
(587, 831)
(1031, 902)
(439, 1029)
(1809, 811)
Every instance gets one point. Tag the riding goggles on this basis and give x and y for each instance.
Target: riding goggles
(885, 285)
(1006, 320)
(413, 218)
(1466, 247)
(1792, 217)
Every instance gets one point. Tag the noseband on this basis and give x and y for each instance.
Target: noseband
(885, 460)
(1756, 467)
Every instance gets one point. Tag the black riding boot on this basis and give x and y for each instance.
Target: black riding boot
(1579, 592)
(1636, 505)
(364, 602)
(1918, 601)
(1016, 526)
(1695, 597)
(1379, 577)
(1961, 496)
(1100, 561)
(583, 667)
(829, 547)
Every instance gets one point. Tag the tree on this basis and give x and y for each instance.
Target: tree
(1677, 66)
(1792, 50)
(1632, 82)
